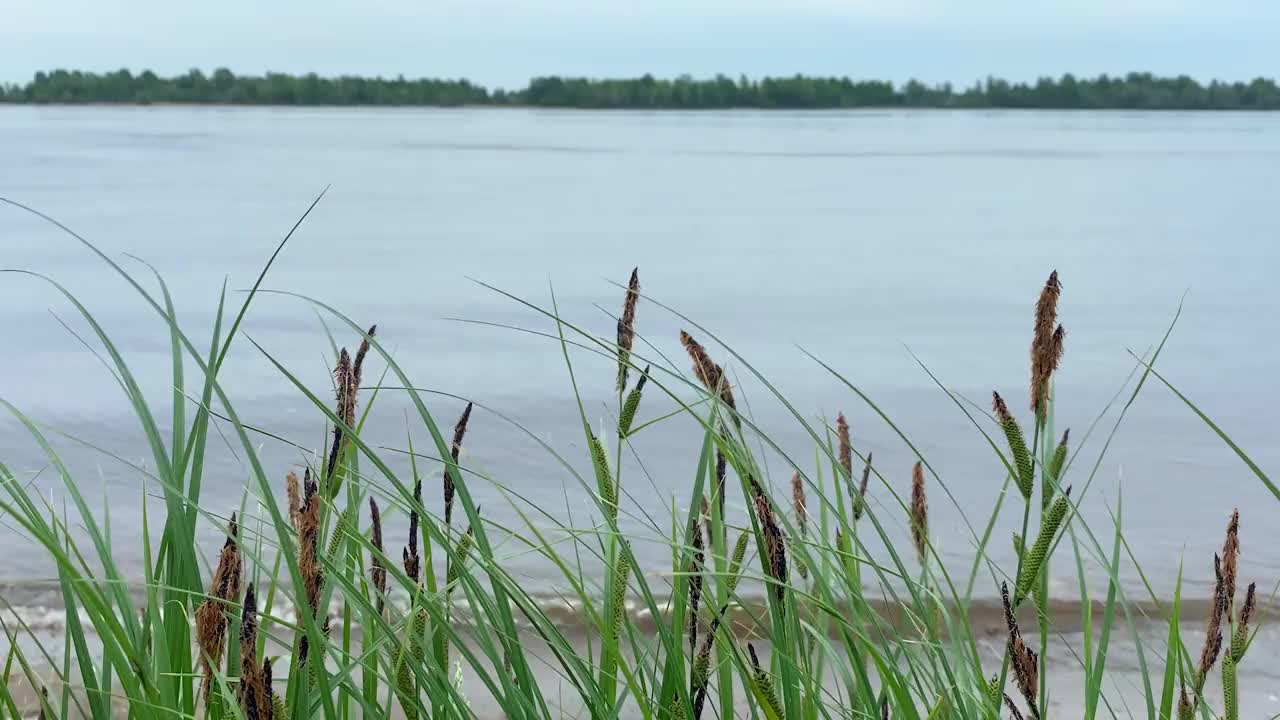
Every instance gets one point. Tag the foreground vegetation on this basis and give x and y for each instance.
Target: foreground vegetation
(1134, 91)
(366, 625)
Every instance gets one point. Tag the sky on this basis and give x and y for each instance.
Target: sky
(501, 43)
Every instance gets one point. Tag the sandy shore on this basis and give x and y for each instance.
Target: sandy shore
(1124, 691)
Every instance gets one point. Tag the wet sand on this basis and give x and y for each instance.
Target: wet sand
(1124, 692)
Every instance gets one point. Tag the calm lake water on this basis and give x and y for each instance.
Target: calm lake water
(859, 237)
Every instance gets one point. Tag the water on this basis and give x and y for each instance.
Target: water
(859, 237)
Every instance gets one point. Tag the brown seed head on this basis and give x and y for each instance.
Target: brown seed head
(1230, 556)
(919, 512)
(459, 432)
(210, 617)
(710, 374)
(378, 572)
(309, 560)
(846, 448)
(211, 627)
(308, 547)
(344, 378)
(774, 545)
(707, 372)
(294, 495)
(1044, 354)
(627, 328)
(226, 577)
(1185, 709)
(1213, 630)
(799, 503)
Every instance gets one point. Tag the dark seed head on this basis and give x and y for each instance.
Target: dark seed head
(459, 432)
(378, 573)
(357, 368)
(919, 512)
(627, 328)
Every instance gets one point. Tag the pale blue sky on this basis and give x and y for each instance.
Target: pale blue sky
(503, 42)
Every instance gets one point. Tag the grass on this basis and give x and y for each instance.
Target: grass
(310, 610)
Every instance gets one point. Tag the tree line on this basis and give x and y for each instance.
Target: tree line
(1135, 91)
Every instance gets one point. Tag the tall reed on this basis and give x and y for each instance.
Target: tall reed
(211, 615)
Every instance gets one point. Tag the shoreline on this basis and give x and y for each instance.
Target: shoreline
(985, 614)
(744, 109)
(1066, 679)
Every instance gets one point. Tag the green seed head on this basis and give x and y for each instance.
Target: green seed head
(631, 405)
(1034, 560)
(701, 665)
(460, 558)
(1230, 701)
(764, 684)
(1052, 476)
(604, 478)
(1017, 445)
(406, 687)
(628, 412)
(735, 562)
(419, 631)
(339, 529)
(618, 602)
(993, 690)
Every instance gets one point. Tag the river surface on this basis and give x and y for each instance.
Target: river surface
(860, 237)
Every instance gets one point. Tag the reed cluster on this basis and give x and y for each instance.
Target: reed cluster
(1238, 632)
(771, 606)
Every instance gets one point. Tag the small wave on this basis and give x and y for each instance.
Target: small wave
(33, 607)
(508, 147)
(994, 153)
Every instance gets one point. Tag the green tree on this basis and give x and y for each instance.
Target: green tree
(1133, 91)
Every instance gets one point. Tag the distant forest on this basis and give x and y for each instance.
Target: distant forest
(1135, 91)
